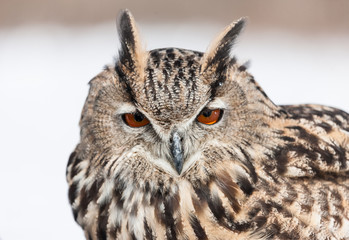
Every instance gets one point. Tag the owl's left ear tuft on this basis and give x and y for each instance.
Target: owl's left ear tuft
(132, 53)
(219, 49)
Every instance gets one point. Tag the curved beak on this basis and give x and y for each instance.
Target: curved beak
(177, 151)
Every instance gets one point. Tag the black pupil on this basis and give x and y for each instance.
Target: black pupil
(138, 117)
(207, 112)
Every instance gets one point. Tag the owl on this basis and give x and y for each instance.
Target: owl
(180, 144)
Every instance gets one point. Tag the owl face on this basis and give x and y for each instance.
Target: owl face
(174, 108)
(165, 108)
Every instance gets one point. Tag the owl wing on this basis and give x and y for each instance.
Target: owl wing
(316, 142)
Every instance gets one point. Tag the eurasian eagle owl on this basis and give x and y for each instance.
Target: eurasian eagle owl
(179, 144)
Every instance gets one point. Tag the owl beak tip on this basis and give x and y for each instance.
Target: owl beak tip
(179, 167)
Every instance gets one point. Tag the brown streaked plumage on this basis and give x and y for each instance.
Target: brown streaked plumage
(254, 170)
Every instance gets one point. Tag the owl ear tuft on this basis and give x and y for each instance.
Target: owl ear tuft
(219, 49)
(132, 54)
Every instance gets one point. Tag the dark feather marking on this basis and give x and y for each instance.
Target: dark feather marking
(338, 197)
(124, 80)
(85, 199)
(280, 208)
(88, 195)
(99, 159)
(200, 54)
(171, 204)
(167, 65)
(260, 221)
(119, 188)
(203, 193)
(134, 209)
(323, 202)
(245, 185)
(165, 74)
(299, 113)
(283, 112)
(282, 156)
(178, 63)
(292, 194)
(325, 154)
(111, 167)
(89, 236)
(73, 192)
(156, 195)
(171, 56)
(155, 56)
(182, 51)
(75, 213)
(282, 159)
(198, 230)
(307, 206)
(273, 229)
(293, 234)
(180, 73)
(267, 207)
(261, 91)
(106, 68)
(288, 139)
(156, 202)
(151, 82)
(254, 212)
(102, 221)
(337, 221)
(75, 167)
(190, 61)
(220, 75)
(148, 230)
(115, 227)
(327, 127)
(304, 134)
(193, 87)
(169, 50)
(71, 159)
(341, 153)
(215, 205)
(308, 112)
(198, 204)
(132, 235)
(249, 165)
(192, 75)
(113, 230)
(229, 188)
(242, 68)
(146, 187)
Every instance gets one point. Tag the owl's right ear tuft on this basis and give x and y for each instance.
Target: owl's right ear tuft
(131, 54)
(219, 49)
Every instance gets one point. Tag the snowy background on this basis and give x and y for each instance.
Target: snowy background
(44, 71)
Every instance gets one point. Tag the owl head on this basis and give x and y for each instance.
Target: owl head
(165, 121)
(166, 106)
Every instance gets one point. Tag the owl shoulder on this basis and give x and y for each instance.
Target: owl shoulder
(316, 142)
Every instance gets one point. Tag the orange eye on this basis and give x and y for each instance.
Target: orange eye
(209, 117)
(135, 119)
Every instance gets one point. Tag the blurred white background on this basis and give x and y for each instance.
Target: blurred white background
(49, 50)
